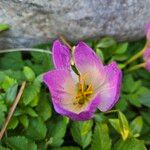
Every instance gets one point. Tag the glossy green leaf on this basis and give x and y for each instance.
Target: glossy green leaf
(24, 120)
(29, 74)
(31, 91)
(136, 126)
(13, 123)
(11, 93)
(130, 144)
(121, 48)
(44, 108)
(124, 126)
(56, 131)
(36, 129)
(81, 132)
(106, 42)
(101, 139)
(20, 143)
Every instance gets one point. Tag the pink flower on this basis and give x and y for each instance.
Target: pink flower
(77, 94)
(148, 32)
(146, 57)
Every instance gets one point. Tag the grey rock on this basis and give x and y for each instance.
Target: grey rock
(37, 21)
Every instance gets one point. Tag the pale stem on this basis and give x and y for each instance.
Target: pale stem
(65, 42)
(135, 67)
(136, 56)
(12, 109)
(25, 49)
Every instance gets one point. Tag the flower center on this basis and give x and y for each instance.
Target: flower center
(84, 91)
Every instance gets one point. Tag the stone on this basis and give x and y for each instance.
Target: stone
(37, 21)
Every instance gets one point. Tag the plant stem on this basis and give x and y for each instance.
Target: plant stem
(135, 67)
(136, 56)
(65, 42)
(25, 49)
(12, 109)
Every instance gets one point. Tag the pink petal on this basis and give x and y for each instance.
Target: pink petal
(84, 115)
(148, 31)
(110, 91)
(61, 55)
(148, 65)
(89, 65)
(63, 92)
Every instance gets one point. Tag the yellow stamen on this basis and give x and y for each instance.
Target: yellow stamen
(84, 91)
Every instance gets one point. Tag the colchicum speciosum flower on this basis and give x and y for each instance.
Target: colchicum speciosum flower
(77, 91)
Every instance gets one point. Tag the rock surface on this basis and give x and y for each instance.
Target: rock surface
(36, 21)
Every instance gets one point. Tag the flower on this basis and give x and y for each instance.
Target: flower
(77, 91)
(148, 32)
(146, 57)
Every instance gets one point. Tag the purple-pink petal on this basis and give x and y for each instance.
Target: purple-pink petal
(148, 31)
(84, 115)
(148, 65)
(61, 55)
(63, 93)
(110, 90)
(89, 64)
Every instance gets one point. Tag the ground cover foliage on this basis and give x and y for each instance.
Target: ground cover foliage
(35, 124)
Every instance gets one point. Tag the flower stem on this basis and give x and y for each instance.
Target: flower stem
(65, 41)
(25, 49)
(135, 67)
(136, 56)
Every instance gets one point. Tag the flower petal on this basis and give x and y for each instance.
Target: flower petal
(110, 91)
(63, 92)
(146, 54)
(148, 31)
(84, 115)
(148, 65)
(89, 64)
(61, 55)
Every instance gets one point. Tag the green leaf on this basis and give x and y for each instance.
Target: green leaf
(3, 109)
(4, 148)
(13, 123)
(8, 82)
(20, 143)
(123, 125)
(122, 103)
(29, 74)
(130, 144)
(4, 27)
(101, 139)
(44, 108)
(56, 131)
(36, 129)
(106, 42)
(24, 120)
(30, 111)
(100, 54)
(144, 98)
(133, 99)
(12, 60)
(136, 126)
(11, 93)
(116, 124)
(81, 132)
(2, 118)
(121, 48)
(31, 91)
(127, 82)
